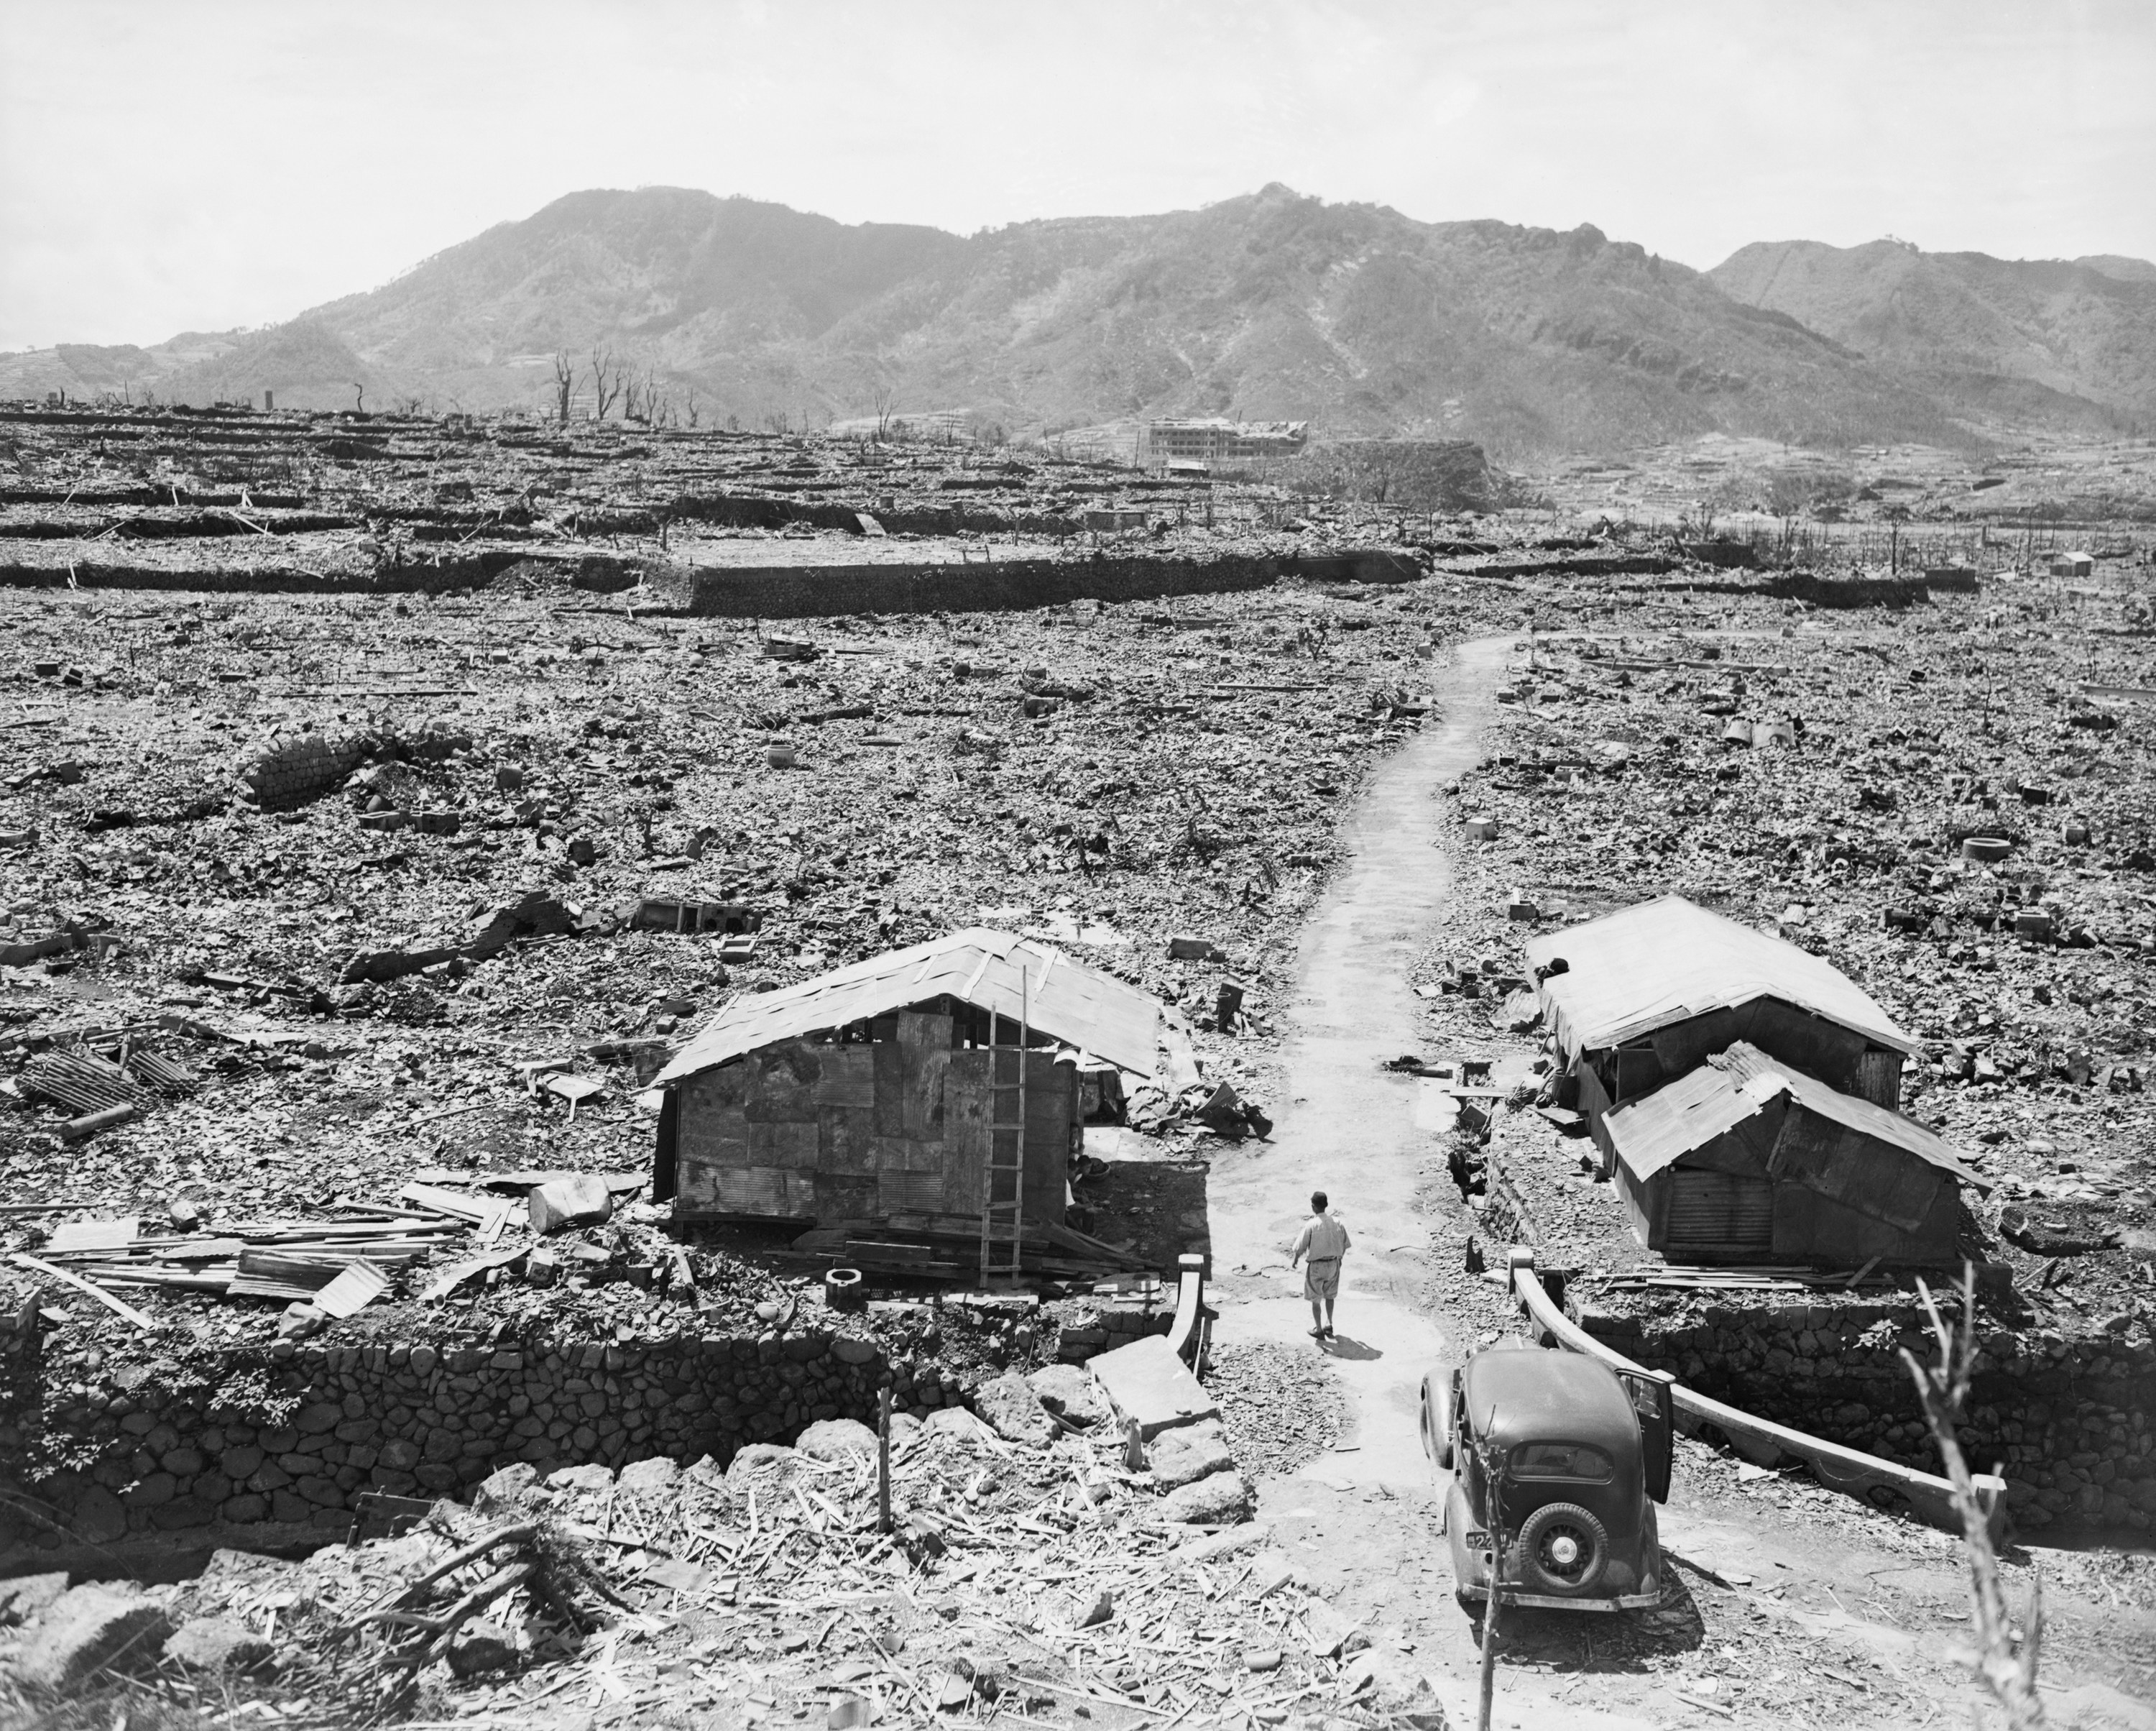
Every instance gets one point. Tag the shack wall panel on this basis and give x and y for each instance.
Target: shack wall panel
(846, 1076)
(1683, 1046)
(911, 1192)
(847, 1196)
(783, 1145)
(1640, 1199)
(966, 1131)
(924, 1043)
(1855, 1170)
(1811, 1043)
(782, 1085)
(755, 1190)
(712, 1135)
(1810, 1227)
(846, 1139)
(1718, 1217)
(1879, 1078)
(889, 1060)
(1732, 1151)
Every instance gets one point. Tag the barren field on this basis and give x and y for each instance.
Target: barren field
(365, 787)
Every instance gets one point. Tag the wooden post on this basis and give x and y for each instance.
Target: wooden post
(883, 1459)
(1489, 1683)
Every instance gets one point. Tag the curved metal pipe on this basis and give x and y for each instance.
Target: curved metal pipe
(1850, 1471)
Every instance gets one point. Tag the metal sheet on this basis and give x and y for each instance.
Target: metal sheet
(1664, 960)
(1076, 1004)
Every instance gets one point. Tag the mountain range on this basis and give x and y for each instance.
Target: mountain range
(1353, 317)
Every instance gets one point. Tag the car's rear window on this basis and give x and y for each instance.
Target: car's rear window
(1560, 1459)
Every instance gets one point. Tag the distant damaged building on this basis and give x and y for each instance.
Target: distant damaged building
(893, 1086)
(1748, 1160)
(1167, 444)
(1642, 997)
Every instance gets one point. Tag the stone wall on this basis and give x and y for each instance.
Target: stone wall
(295, 1433)
(2069, 1420)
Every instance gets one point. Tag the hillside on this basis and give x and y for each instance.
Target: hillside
(2084, 328)
(1353, 317)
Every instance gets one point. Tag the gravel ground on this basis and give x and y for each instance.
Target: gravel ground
(1279, 1407)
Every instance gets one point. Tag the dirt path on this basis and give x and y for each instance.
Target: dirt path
(1349, 1127)
(1756, 1627)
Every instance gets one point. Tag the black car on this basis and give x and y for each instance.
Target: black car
(1578, 1454)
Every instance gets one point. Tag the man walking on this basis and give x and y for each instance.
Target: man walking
(1324, 1241)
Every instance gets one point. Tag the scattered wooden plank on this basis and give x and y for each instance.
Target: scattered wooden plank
(23, 1258)
(93, 1236)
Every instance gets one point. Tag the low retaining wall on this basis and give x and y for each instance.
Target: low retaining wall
(820, 591)
(295, 1434)
(2070, 1422)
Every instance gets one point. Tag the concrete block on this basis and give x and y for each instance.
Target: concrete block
(88, 1630)
(1220, 1499)
(1146, 1382)
(583, 1200)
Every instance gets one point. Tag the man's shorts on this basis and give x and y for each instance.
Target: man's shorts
(1322, 1280)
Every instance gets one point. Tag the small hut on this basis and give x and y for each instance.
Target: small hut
(1646, 994)
(1749, 1160)
(892, 1086)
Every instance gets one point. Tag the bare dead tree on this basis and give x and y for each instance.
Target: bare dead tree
(606, 380)
(882, 398)
(2009, 1669)
(565, 384)
(1490, 1462)
(695, 409)
(359, 398)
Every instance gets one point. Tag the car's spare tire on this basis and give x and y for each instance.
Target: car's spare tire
(1563, 1549)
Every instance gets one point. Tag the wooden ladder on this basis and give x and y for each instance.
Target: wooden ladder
(994, 1208)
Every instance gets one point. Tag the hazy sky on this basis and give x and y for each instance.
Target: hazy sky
(168, 165)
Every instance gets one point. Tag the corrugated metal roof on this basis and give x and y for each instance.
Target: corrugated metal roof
(1668, 960)
(1688, 1113)
(1676, 1119)
(1079, 1005)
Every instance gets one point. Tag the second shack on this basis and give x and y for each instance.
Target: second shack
(1746, 1160)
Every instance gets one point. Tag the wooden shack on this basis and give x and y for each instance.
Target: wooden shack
(890, 1088)
(1749, 1160)
(1644, 995)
